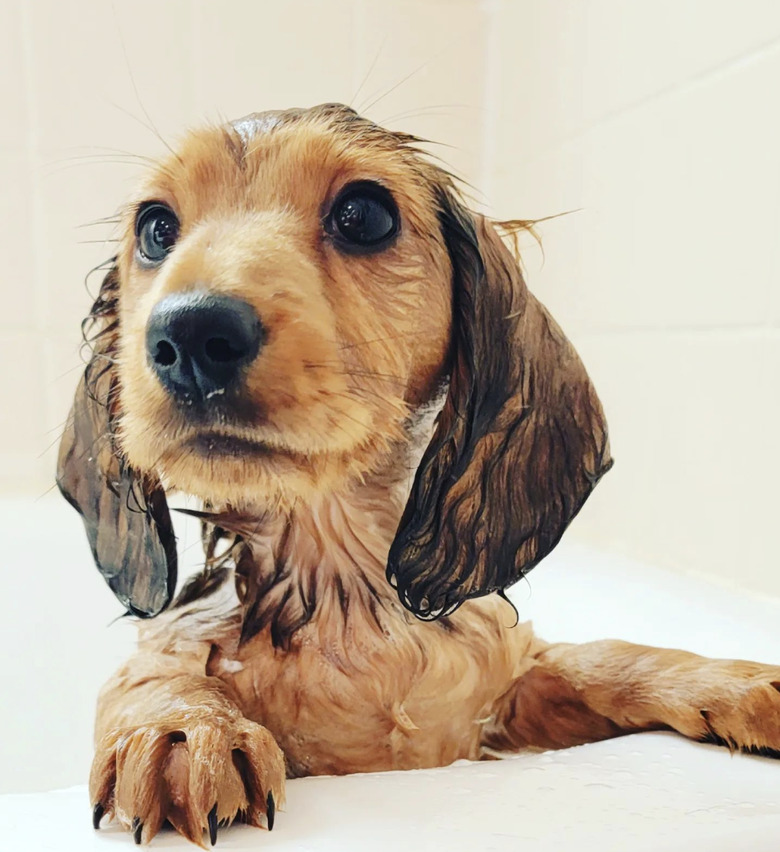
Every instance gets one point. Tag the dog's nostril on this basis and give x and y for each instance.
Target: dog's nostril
(220, 349)
(165, 354)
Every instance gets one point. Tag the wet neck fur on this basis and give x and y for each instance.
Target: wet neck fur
(324, 561)
(322, 564)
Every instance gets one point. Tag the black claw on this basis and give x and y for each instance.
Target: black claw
(97, 815)
(213, 825)
(270, 810)
(137, 828)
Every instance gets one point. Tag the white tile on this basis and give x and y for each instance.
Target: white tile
(17, 281)
(418, 75)
(685, 199)
(773, 317)
(681, 206)
(542, 50)
(72, 195)
(102, 71)
(23, 435)
(551, 185)
(637, 50)
(250, 56)
(394, 61)
(693, 428)
(566, 64)
(13, 78)
(63, 359)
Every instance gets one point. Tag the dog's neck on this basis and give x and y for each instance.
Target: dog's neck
(324, 561)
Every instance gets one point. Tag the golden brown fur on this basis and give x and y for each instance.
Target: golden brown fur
(415, 416)
(333, 405)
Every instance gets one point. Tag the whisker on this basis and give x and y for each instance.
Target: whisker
(107, 149)
(109, 220)
(350, 393)
(334, 424)
(111, 155)
(370, 70)
(58, 427)
(56, 440)
(393, 88)
(446, 47)
(152, 126)
(69, 371)
(46, 492)
(381, 339)
(355, 420)
(418, 112)
(105, 266)
(398, 380)
(62, 168)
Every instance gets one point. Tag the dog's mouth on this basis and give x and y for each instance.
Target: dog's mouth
(216, 443)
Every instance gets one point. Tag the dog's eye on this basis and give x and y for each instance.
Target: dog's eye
(156, 231)
(363, 217)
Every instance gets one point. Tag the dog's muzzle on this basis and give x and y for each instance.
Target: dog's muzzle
(199, 344)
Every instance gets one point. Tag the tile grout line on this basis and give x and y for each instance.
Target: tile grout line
(26, 34)
(757, 331)
(692, 83)
(36, 215)
(491, 98)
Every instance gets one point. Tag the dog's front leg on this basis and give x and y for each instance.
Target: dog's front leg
(573, 694)
(172, 743)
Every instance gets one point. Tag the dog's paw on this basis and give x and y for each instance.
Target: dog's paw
(198, 775)
(745, 712)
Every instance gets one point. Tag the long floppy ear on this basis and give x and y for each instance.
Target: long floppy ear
(519, 445)
(125, 515)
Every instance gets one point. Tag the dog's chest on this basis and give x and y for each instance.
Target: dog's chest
(358, 694)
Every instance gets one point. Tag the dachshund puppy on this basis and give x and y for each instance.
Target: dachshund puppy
(306, 328)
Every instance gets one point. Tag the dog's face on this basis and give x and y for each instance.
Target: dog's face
(285, 301)
(290, 291)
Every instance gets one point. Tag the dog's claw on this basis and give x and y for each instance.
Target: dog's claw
(227, 775)
(213, 825)
(97, 815)
(270, 810)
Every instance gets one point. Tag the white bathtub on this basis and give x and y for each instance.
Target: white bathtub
(644, 792)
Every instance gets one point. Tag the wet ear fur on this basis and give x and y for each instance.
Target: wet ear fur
(520, 442)
(125, 515)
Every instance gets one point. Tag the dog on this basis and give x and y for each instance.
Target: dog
(307, 329)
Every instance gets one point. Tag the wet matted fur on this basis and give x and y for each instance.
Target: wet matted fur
(415, 434)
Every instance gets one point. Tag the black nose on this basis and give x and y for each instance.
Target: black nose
(197, 343)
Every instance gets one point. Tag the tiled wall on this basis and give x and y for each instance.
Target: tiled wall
(659, 123)
(656, 120)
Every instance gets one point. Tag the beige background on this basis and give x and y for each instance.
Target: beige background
(657, 120)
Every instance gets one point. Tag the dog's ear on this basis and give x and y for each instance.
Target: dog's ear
(125, 515)
(520, 442)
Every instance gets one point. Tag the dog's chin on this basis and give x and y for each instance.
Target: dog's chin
(245, 469)
(227, 469)
(249, 474)
(216, 445)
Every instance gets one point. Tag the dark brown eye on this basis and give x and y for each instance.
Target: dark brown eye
(156, 231)
(363, 217)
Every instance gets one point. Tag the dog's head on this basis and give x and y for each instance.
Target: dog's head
(290, 291)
